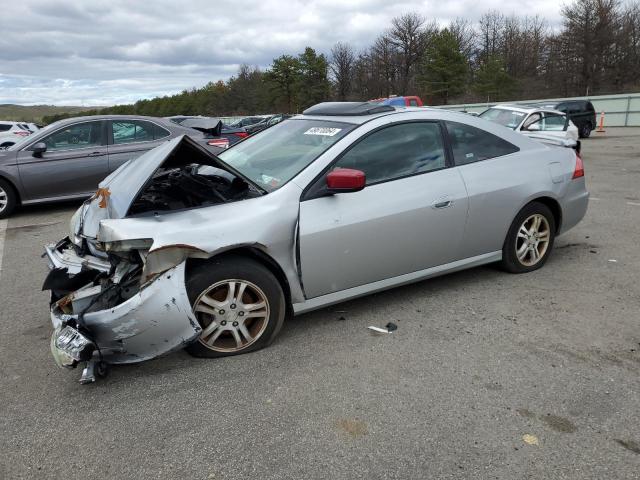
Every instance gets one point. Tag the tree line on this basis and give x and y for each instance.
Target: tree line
(595, 50)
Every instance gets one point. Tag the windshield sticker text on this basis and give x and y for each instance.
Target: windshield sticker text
(327, 132)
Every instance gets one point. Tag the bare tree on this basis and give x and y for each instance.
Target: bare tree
(409, 35)
(491, 33)
(628, 55)
(384, 63)
(342, 67)
(591, 24)
(464, 33)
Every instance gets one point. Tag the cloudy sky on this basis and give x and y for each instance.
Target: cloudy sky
(77, 52)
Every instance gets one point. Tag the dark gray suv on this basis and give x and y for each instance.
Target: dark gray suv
(68, 159)
(580, 112)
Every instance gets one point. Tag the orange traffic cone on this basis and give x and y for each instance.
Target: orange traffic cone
(600, 128)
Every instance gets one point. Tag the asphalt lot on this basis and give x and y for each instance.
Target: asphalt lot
(480, 359)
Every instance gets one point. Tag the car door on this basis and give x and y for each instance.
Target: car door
(73, 164)
(409, 217)
(552, 124)
(555, 124)
(128, 139)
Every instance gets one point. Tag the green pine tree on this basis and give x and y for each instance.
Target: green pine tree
(493, 81)
(443, 72)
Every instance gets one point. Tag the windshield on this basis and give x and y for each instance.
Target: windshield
(507, 118)
(273, 157)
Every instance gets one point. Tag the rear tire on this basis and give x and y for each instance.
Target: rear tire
(238, 303)
(8, 199)
(585, 130)
(530, 239)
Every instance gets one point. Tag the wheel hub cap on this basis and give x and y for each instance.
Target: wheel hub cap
(533, 240)
(233, 314)
(3, 199)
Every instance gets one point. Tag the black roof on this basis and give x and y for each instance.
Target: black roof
(347, 109)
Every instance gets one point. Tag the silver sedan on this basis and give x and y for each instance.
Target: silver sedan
(185, 249)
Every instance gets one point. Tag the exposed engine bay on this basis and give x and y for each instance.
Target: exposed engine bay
(189, 187)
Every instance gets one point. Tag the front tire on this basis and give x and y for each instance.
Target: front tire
(585, 130)
(238, 303)
(8, 199)
(529, 240)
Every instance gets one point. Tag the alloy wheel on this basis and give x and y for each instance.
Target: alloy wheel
(533, 240)
(233, 315)
(4, 199)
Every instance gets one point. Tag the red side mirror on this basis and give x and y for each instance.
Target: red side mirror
(343, 180)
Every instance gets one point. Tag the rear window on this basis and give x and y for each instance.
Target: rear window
(502, 116)
(130, 131)
(470, 144)
(5, 127)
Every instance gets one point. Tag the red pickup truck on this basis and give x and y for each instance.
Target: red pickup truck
(406, 101)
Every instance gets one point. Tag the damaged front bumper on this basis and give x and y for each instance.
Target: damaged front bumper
(152, 321)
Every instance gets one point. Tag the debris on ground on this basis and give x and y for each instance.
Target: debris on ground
(530, 439)
(388, 328)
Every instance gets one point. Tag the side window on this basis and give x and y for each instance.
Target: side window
(5, 127)
(573, 107)
(397, 151)
(130, 131)
(534, 118)
(81, 135)
(470, 144)
(158, 131)
(550, 122)
(554, 122)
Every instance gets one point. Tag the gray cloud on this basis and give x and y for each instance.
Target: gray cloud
(78, 52)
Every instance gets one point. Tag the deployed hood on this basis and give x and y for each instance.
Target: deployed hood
(168, 175)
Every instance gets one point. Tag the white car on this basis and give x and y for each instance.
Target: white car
(535, 122)
(12, 133)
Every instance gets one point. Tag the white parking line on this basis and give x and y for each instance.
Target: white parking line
(3, 229)
(635, 204)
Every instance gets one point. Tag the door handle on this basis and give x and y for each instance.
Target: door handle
(96, 154)
(442, 203)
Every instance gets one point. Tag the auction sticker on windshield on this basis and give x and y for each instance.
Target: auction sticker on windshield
(324, 131)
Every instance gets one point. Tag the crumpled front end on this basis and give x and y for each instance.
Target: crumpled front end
(104, 310)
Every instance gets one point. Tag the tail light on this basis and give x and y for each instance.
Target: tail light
(22, 134)
(579, 170)
(219, 142)
(241, 134)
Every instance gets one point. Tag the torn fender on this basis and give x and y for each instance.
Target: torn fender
(155, 321)
(268, 223)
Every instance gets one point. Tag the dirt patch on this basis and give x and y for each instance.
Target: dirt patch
(353, 427)
(629, 445)
(557, 423)
(525, 413)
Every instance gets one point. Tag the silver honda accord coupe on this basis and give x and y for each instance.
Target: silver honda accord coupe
(182, 248)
